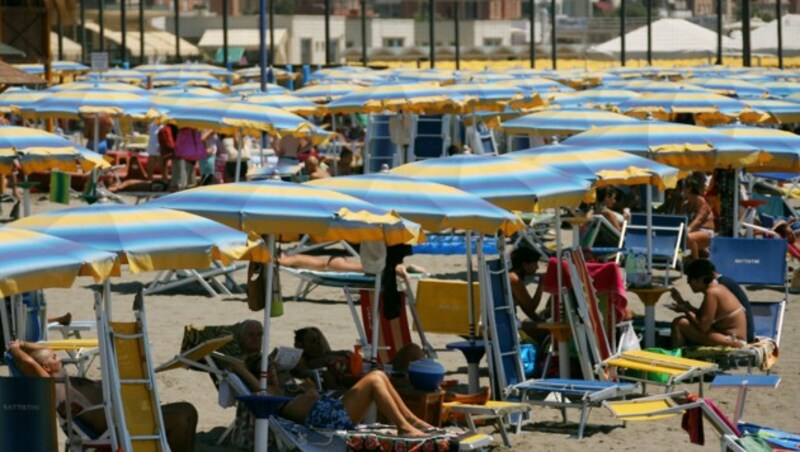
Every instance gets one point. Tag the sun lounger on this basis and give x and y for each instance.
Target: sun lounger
(171, 279)
(498, 413)
(571, 393)
(743, 383)
(669, 239)
(777, 438)
(678, 370)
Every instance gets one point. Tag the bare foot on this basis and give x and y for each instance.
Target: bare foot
(421, 425)
(65, 319)
(411, 432)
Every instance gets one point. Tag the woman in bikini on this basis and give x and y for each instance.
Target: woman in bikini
(701, 217)
(720, 319)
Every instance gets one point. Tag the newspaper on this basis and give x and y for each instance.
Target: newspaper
(286, 358)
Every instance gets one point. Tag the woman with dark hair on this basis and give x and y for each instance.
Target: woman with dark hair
(524, 265)
(700, 229)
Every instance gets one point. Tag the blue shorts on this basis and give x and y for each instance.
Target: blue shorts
(328, 413)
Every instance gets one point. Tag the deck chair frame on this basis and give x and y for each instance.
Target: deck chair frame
(679, 369)
(671, 261)
(170, 279)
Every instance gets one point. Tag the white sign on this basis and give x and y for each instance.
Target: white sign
(100, 61)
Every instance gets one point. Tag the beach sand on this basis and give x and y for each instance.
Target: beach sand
(168, 313)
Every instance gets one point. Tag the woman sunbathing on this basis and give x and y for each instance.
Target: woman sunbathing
(337, 264)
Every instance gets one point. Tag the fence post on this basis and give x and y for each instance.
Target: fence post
(553, 35)
(457, 32)
(123, 28)
(622, 31)
(327, 32)
(178, 31)
(141, 32)
(719, 32)
(746, 53)
(262, 44)
(364, 32)
(101, 21)
(532, 18)
(431, 34)
(649, 32)
(778, 14)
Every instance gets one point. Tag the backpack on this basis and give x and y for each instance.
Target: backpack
(189, 145)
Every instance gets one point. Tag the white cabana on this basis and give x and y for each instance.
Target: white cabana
(765, 39)
(672, 38)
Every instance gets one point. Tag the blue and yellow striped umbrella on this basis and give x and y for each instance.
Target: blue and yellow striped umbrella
(781, 89)
(74, 104)
(325, 92)
(290, 210)
(503, 181)
(255, 87)
(362, 78)
(539, 85)
(567, 121)
(707, 108)
(731, 87)
(439, 76)
(40, 151)
(148, 238)
(435, 207)
(784, 147)
(31, 261)
(682, 146)
(14, 100)
(592, 98)
(185, 67)
(55, 66)
(494, 97)
(116, 74)
(230, 117)
(172, 98)
(292, 104)
(255, 73)
(781, 112)
(651, 86)
(186, 78)
(604, 166)
(410, 98)
(99, 85)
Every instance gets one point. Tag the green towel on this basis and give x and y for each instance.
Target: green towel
(59, 187)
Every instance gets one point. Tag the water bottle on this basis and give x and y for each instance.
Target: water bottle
(642, 277)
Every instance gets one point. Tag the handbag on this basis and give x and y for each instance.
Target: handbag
(189, 146)
(257, 289)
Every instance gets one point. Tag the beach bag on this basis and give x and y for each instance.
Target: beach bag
(527, 353)
(189, 145)
(256, 289)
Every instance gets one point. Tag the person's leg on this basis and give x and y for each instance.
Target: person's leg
(373, 388)
(180, 423)
(677, 336)
(686, 332)
(321, 263)
(401, 405)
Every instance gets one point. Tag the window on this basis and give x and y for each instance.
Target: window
(492, 42)
(394, 42)
(306, 51)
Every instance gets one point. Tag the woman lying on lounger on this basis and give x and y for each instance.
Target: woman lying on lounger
(323, 263)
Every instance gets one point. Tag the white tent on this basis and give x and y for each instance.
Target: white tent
(672, 38)
(765, 39)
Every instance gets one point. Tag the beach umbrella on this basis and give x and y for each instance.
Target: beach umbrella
(339, 75)
(781, 89)
(401, 98)
(325, 92)
(707, 108)
(255, 73)
(432, 75)
(13, 100)
(204, 68)
(255, 87)
(30, 261)
(501, 180)
(74, 104)
(55, 66)
(487, 77)
(538, 85)
(172, 98)
(784, 147)
(679, 145)
(567, 121)
(99, 85)
(780, 111)
(288, 102)
(651, 86)
(793, 97)
(156, 68)
(186, 78)
(593, 98)
(116, 74)
(729, 86)
(494, 97)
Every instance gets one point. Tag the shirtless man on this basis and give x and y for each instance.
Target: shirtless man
(525, 264)
(720, 319)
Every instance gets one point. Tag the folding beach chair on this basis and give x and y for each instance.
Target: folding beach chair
(379, 148)
(668, 239)
(601, 238)
(431, 138)
(393, 334)
(207, 278)
(677, 370)
(743, 383)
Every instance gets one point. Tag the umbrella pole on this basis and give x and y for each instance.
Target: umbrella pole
(376, 324)
(107, 297)
(563, 346)
(262, 425)
(735, 232)
(470, 295)
(239, 155)
(26, 197)
(96, 143)
(649, 240)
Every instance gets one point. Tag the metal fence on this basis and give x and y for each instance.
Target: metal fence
(448, 33)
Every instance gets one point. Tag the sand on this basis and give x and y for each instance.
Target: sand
(326, 308)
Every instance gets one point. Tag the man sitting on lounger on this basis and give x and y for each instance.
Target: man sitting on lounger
(720, 319)
(34, 360)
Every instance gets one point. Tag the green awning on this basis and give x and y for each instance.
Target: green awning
(234, 55)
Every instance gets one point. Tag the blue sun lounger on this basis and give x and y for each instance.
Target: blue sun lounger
(669, 239)
(573, 393)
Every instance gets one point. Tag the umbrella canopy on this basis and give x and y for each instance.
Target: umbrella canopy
(727, 86)
(74, 104)
(172, 98)
(707, 108)
(782, 112)
(55, 66)
(362, 78)
(185, 67)
(405, 98)
(255, 87)
(116, 74)
(15, 99)
(326, 92)
(605, 166)
(292, 104)
(538, 85)
(230, 117)
(148, 238)
(494, 97)
(784, 147)
(31, 261)
(439, 76)
(682, 146)
(568, 121)
(186, 78)
(255, 72)
(653, 86)
(503, 181)
(39, 151)
(780, 88)
(434, 206)
(594, 98)
(291, 210)
(99, 85)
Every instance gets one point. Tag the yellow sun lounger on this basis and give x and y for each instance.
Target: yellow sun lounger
(497, 412)
(678, 370)
(70, 344)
